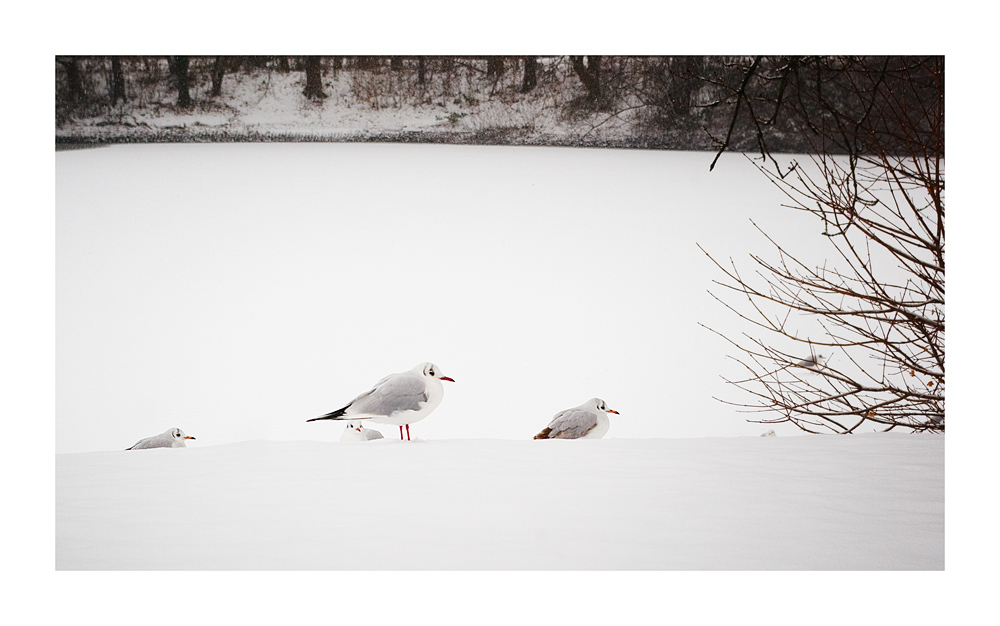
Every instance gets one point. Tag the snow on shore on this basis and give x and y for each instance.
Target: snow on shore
(868, 502)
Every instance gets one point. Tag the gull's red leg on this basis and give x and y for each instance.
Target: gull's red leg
(407, 432)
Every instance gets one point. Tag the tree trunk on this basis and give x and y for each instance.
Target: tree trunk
(74, 78)
(117, 81)
(494, 67)
(530, 74)
(421, 70)
(314, 78)
(396, 63)
(684, 82)
(218, 73)
(589, 73)
(180, 67)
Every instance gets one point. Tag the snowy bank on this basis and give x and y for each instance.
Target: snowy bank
(864, 502)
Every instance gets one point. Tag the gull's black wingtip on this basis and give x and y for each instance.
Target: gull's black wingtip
(329, 416)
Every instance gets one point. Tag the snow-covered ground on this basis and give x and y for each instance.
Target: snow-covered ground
(963, 594)
(236, 291)
(868, 502)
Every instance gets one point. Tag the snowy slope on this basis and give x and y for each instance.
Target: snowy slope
(868, 502)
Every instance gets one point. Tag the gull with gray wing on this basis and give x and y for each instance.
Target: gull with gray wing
(587, 421)
(398, 399)
(356, 432)
(173, 438)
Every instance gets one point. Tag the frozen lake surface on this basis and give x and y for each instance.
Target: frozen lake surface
(235, 291)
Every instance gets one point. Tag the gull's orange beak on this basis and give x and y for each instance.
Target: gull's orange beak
(189, 437)
(613, 411)
(450, 380)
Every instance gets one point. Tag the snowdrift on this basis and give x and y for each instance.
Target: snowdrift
(863, 502)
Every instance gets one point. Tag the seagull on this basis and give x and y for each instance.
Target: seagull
(813, 362)
(173, 438)
(398, 399)
(357, 432)
(587, 421)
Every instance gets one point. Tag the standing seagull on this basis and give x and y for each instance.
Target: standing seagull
(398, 399)
(587, 421)
(173, 438)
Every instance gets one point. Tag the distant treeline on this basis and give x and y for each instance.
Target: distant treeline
(694, 102)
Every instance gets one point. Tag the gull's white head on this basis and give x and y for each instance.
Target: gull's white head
(601, 406)
(178, 435)
(352, 432)
(432, 371)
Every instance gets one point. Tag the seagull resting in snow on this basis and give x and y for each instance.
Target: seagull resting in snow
(173, 438)
(587, 421)
(811, 363)
(398, 399)
(357, 432)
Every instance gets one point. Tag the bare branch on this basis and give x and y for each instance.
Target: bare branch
(881, 205)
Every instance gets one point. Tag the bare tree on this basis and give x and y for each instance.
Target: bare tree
(117, 81)
(219, 69)
(314, 78)
(179, 68)
(494, 67)
(684, 83)
(858, 339)
(588, 70)
(74, 77)
(530, 74)
(421, 70)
